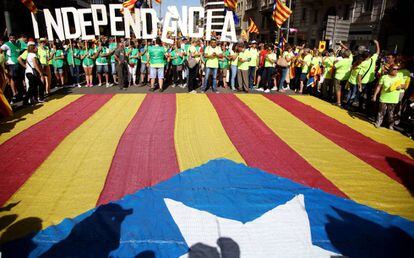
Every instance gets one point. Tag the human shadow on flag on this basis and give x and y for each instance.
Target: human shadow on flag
(356, 237)
(228, 249)
(95, 236)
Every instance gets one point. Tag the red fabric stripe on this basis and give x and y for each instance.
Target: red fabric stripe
(146, 152)
(262, 148)
(397, 166)
(24, 153)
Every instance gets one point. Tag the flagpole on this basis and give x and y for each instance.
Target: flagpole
(288, 25)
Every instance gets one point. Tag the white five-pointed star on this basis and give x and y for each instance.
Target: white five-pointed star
(281, 232)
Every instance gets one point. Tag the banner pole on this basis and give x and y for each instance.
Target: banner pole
(288, 25)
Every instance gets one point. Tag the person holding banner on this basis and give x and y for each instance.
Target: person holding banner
(88, 55)
(102, 63)
(12, 50)
(133, 54)
(143, 53)
(58, 62)
(121, 66)
(212, 54)
(74, 62)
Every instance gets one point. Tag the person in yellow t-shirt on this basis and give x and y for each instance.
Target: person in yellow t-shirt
(389, 88)
(243, 68)
(212, 54)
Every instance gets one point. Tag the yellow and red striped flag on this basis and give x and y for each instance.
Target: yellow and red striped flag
(30, 5)
(230, 4)
(158, 1)
(280, 13)
(253, 27)
(128, 4)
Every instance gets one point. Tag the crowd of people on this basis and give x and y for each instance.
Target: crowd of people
(370, 81)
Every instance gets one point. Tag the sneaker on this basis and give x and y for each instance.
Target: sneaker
(377, 125)
(39, 100)
(193, 91)
(13, 100)
(260, 89)
(79, 86)
(107, 85)
(173, 85)
(391, 127)
(203, 91)
(161, 90)
(274, 88)
(267, 91)
(152, 89)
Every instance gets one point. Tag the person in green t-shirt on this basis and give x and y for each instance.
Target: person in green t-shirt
(212, 54)
(305, 62)
(12, 50)
(243, 68)
(355, 88)
(58, 62)
(88, 55)
(328, 60)
(253, 53)
(133, 55)
(389, 86)
(112, 46)
(177, 61)
(157, 56)
(74, 62)
(342, 72)
(224, 64)
(143, 53)
(269, 69)
(102, 67)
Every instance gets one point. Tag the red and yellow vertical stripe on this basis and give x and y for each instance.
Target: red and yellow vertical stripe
(76, 152)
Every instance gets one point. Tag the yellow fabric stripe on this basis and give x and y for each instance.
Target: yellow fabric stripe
(393, 139)
(70, 181)
(22, 120)
(355, 178)
(199, 135)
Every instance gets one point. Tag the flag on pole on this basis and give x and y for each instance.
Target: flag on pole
(230, 4)
(280, 13)
(158, 1)
(253, 27)
(128, 4)
(30, 5)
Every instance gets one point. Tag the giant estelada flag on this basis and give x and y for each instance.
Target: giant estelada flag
(212, 175)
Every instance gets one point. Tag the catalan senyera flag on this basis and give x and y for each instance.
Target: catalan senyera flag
(30, 5)
(280, 13)
(128, 4)
(153, 175)
(253, 27)
(230, 4)
(158, 1)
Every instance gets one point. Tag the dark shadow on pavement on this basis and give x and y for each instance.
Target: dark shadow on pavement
(357, 237)
(404, 170)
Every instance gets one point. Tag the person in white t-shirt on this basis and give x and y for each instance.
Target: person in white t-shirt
(33, 72)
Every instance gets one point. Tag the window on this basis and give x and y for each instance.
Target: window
(347, 11)
(304, 14)
(368, 4)
(315, 16)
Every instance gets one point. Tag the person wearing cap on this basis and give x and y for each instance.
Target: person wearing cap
(12, 50)
(212, 53)
(253, 53)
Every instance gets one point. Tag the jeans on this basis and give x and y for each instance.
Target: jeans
(252, 73)
(233, 77)
(266, 80)
(353, 94)
(208, 71)
(283, 77)
(36, 87)
(74, 72)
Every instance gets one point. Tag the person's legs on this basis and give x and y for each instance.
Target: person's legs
(153, 75)
(99, 71)
(160, 75)
(114, 73)
(381, 113)
(283, 78)
(390, 115)
(120, 75)
(214, 71)
(206, 76)
(245, 80)
(351, 95)
(233, 77)
(338, 91)
(252, 72)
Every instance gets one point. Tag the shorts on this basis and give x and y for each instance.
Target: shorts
(13, 71)
(87, 66)
(59, 70)
(260, 71)
(143, 68)
(338, 85)
(303, 77)
(156, 72)
(102, 68)
(113, 68)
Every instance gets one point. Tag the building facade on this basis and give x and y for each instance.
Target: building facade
(217, 7)
(368, 20)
